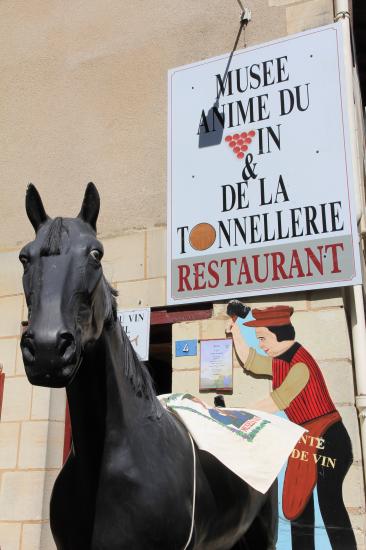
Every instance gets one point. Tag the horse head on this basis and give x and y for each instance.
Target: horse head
(67, 295)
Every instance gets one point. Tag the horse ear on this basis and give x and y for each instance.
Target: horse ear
(90, 207)
(34, 207)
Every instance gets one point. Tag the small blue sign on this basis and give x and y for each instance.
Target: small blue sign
(185, 348)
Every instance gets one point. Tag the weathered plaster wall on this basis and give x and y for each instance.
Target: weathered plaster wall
(84, 97)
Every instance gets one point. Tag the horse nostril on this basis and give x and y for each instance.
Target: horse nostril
(66, 345)
(28, 347)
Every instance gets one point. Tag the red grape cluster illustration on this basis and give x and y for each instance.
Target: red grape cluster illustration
(239, 142)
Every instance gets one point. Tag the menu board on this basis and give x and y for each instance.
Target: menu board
(216, 365)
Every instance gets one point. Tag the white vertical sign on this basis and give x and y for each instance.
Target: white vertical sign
(136, 324)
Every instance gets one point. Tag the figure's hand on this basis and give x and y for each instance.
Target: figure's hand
(239, 342)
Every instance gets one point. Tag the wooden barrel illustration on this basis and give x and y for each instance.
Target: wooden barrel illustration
(202, 236)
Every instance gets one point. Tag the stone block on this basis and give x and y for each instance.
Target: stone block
(353, 488)
(19, 365)
(25, 495)
(10, 535)
(309, 15)
(219, 310)
(48, 403)
(185, 331)
(330, 297)
(360, 540)
(124, 257)
(41, 398)
(41, 445)
(47, 542)
(186, 382)
(21, 496)
(49, 481)
(323, 333)
(150, 292)
(31, 538)
(213, 328)
(17, 399)
(186, 363)
(11, 311)
(58, 404)
(156, 252)
(37, 536)
(359, 526)
(11, 273)
(334, 371)
(9, 438)
(8, 351)
(188, 330)
(350, 420)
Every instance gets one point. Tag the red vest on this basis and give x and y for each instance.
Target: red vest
(314, 400)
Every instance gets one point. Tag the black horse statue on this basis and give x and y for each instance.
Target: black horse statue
(134, 479)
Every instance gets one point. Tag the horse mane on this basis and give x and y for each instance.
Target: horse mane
(52, 242)
(110, 303)
(135, 371)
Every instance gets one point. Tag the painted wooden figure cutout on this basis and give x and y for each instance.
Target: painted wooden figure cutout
(323, 456)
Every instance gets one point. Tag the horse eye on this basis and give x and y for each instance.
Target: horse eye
(24, 260)
(96, 254)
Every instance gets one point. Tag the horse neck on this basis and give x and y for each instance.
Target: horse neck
(104, 407)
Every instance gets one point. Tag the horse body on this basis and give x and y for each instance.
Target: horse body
(128, 481)
(140, 474)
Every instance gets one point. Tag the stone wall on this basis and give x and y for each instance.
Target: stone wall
(31, 430)
(32, 426)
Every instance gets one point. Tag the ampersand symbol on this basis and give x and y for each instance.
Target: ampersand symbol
(248, 170)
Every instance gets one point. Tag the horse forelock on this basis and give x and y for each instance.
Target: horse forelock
(53, 239)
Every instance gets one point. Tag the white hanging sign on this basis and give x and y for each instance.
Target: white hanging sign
(260, 173)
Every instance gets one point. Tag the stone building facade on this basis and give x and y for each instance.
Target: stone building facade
(84, 98)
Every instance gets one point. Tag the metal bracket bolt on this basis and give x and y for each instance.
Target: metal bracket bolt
(246, 16)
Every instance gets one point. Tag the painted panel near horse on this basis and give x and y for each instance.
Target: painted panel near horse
(323, 456)
(316, 493)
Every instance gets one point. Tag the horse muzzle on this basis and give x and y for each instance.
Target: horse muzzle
(50, 361)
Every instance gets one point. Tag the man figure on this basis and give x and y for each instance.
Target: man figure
(300, 391)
